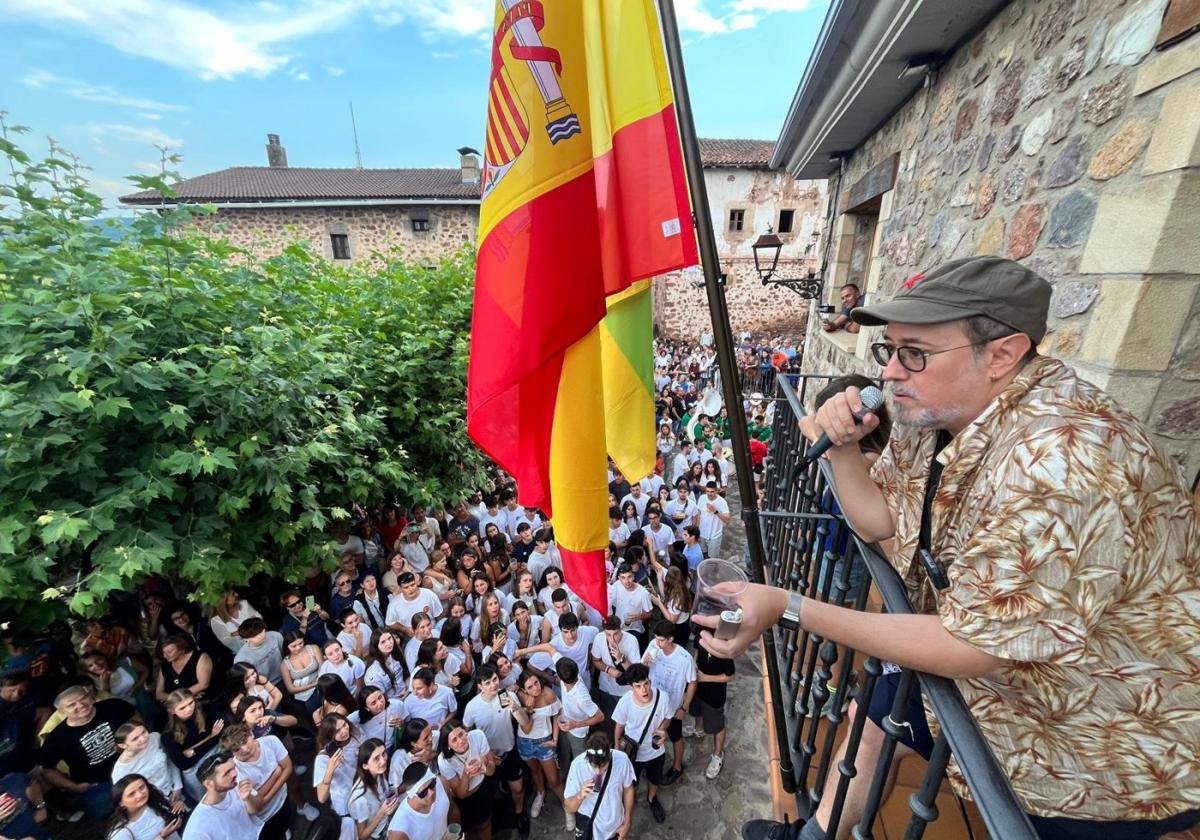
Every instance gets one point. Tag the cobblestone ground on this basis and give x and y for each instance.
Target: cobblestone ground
(697, 808)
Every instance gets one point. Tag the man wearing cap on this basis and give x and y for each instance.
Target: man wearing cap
(411, 549)
(1048, 546)
(226, 810)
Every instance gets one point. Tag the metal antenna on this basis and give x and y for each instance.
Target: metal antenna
(354, 128)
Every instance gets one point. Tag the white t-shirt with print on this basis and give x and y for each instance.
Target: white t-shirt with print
(606, 818)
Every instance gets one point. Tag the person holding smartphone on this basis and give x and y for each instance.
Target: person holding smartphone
(491, 712)
(607, 806)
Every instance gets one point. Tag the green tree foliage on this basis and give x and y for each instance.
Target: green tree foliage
(170, 404)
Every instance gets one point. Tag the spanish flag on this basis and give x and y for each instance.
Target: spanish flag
(584, 197)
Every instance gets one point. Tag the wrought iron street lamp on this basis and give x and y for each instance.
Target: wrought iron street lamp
(766, 259)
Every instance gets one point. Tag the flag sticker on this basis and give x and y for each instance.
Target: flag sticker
(671, 227)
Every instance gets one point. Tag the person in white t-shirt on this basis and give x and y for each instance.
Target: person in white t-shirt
(714, 515)
(608, 804)
(618, 531)
(579, 711)
(650, 484)
(266, 765)
(682, 461)
(430, 700)
(424, 812)
(631, 604)
(644, 715)
(355, 637)
(512, 513)
(228, 807)
(467, 764)
(350, 668)
(639, 498)
(412, 599)
(140, 812)
(491, 712)
(612, 653)
(682, 510)
(673, 672)
(572, 641)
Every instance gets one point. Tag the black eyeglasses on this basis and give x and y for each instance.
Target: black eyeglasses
(343, 583)
(912, 359)
(425, 791)
(291, 605)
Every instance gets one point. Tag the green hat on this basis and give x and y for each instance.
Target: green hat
(1003, 290)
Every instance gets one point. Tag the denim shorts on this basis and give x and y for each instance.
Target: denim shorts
(532, 749)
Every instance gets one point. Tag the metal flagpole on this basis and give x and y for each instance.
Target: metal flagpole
(714, 283)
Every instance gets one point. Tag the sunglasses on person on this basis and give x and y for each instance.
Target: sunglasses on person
(291, 605)
(425, 791)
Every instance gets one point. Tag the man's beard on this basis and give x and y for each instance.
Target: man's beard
(916, 417)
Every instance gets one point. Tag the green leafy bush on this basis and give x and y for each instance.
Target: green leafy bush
(170, 404)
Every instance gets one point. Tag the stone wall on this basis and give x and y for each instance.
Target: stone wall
(1058, 137)
(370, 229)
(681, 311)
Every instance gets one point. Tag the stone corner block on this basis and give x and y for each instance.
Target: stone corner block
(1136, 324)
(1146, 228)
(1176, 140)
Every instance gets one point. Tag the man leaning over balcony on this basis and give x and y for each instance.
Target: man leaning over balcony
(1064, 599)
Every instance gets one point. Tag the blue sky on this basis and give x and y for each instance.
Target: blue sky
(109, 79)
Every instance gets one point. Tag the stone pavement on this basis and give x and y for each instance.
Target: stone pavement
(698, 809)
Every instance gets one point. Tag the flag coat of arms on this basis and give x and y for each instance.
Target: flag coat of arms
(584, 199)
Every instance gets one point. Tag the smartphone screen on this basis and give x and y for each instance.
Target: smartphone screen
(310, 603)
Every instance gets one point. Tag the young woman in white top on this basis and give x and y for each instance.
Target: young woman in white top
(376, 715)
(675, 603)
(227, 617)
(527, 629)
(244, 676)
(373, 799)
(334, 766)
(422, 629)
(466, 764)
(537, 739)
(350, 668)
(525, 590)
(142, 813)
(415, 744)
(386, 669)
(438, 578)
(491, 615)
(300, 669)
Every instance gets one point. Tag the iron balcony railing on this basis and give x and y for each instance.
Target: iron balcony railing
(802, 531)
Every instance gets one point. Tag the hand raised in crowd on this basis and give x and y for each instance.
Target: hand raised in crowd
(171, 827)
(244, 788)
(761, 608)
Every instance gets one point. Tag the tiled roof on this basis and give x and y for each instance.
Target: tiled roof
(297, 183)
(294, 183)
(750, 154)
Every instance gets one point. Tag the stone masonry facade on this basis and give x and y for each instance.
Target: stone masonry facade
(385, 230)
(681, 310)
(1060, 137)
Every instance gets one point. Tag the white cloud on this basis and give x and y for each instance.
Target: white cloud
(150, 135)
(301, 75)
(154, 117)
(148, 167)
(219, 39)
(769, 6)
(335, 71)
(444, 56)
(103, 94)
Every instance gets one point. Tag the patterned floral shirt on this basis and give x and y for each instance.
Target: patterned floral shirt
(1073, 552)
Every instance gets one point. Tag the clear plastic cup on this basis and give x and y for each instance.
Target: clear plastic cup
(718, 585)
(453, 831)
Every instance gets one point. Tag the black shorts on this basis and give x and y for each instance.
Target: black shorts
(476, 808)
(675, 730)
(916, 735)
(652, 770)
(712, 717)
(511, 767)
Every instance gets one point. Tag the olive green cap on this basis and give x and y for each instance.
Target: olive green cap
(1001, 289)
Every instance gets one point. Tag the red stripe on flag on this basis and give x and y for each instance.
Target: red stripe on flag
(637, 194)
(584, 571)
(522, 129)
(501, 116)
(538, 290)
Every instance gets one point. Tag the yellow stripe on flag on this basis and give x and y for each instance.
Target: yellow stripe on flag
(577, 464)
(628, 403)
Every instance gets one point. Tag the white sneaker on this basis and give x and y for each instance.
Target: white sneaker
(536, 807)
(570, 822)
(714, 766)
(689, 728)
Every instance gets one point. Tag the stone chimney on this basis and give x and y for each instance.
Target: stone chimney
(468, 161)
(276, 154)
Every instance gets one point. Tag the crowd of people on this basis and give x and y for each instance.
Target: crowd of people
(439, 673)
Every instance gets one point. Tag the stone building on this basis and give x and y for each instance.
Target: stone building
(746, 197)
(347, 214)
(1061, 133)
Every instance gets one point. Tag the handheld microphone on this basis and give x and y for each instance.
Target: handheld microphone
(872, 399)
